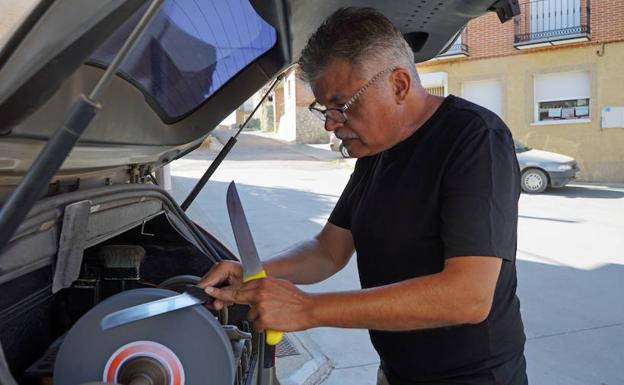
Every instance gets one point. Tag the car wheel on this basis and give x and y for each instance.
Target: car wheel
(344, 152)
(533, 181)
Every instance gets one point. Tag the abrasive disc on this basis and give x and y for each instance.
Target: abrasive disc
(189, 342)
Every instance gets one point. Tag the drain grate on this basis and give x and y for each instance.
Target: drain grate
(286, 348)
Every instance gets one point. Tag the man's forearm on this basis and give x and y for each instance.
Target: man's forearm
(442, 299)
(388, 308)
(304, 263)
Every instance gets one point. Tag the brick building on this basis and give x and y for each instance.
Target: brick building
(553, 74)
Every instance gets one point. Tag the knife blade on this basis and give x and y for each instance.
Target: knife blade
(252, 267)
(191, 297)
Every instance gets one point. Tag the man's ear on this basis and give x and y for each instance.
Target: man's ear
(401, 84)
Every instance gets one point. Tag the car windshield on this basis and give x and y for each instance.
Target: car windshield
(520, 147)
(190, 50)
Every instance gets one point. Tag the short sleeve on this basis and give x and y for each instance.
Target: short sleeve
(341, 214)
(479, 194)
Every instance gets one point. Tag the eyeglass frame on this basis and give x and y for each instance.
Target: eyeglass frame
(323, 112)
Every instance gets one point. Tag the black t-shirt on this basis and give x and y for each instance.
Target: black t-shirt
(451, 189)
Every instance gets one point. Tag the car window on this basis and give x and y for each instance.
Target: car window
(520, 147)
(191, 49)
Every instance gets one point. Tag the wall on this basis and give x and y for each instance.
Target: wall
(287, 127)
(310, 129)
(278, 105)
(297, 124)
(305, 97)
(607, 20)
(600, 152)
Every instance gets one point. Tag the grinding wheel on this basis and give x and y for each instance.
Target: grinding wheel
(180, 283)
(186, 346)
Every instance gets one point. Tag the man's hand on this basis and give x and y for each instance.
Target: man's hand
(276, 304)
(226, 273)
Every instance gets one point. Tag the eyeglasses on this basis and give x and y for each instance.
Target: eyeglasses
(339, 115)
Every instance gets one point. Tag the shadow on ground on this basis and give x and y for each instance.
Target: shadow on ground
(278, 217)
(574, 321)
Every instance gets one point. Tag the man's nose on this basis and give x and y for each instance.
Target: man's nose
(332, 125)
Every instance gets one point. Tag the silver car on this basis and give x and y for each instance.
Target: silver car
(542, 169)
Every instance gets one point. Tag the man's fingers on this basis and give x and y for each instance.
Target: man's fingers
(213, 277)
(252, 314)
(223, 295)
(255, 317)
(218, 305)
(227, 272)
(211, 280)
(241, 295)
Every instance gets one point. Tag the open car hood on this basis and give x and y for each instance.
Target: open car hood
(197, 62)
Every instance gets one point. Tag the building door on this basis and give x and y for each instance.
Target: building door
(486, 93)
(552, 15)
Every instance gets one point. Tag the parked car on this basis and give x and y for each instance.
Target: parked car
(542, 169)
(88, 232)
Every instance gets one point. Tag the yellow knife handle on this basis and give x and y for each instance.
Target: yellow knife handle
(273, 337)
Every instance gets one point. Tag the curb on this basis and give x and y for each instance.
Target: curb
(311, 367)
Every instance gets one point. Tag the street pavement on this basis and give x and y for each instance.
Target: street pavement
(570, 260)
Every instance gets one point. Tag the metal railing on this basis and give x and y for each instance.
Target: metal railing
(552, 20)
(457, 49)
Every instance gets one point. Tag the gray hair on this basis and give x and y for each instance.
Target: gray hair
(363, 37)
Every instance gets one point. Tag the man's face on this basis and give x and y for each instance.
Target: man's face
(371, 125)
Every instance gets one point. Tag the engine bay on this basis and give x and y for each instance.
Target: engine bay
(57, 338)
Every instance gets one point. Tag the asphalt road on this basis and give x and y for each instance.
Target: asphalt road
(570, 256)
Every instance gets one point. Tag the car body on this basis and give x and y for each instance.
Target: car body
(542, 169)
(99, 231)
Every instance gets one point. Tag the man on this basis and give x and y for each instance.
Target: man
(431, 209)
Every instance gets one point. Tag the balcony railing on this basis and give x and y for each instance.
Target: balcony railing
(548, 22)
(458, 49)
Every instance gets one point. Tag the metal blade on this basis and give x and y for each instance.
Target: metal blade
(191, 297)
(242, 234)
